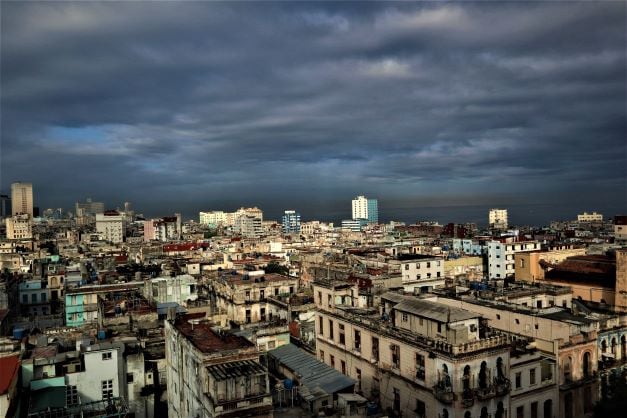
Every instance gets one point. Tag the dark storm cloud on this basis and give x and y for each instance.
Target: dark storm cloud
(199, 105)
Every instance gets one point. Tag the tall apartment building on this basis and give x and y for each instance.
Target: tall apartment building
(163, 229)
(363, 208)
(22, 198)
(416, 357)
(620, 229)
(501, 262)
(111, 225)
(89, 208)
(291, 222)
(497, 219)
(248, 225)
(211, 373)
(19, 227)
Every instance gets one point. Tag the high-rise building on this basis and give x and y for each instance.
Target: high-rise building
(364, 208)
(497, 219)
(291, 222)
(22, 198)
(111, 226)
(89, 208)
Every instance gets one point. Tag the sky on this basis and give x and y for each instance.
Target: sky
(189, 106)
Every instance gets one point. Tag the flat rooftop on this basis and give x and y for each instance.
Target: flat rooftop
(205, 339)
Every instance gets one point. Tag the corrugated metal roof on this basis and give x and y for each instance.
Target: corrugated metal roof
(226, 371)
(311, 372)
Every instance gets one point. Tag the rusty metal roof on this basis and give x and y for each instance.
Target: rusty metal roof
(226, 371)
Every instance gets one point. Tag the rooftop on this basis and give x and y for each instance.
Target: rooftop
(206, 339)
(433, 310)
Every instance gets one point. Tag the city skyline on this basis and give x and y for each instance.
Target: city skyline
(176, 108)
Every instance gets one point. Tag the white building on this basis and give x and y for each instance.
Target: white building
(180, 289)
(22, 198)
(248, 226)
(421, 273)
(110, 225)
(19, 227)
(497, 218)
(590, 217)
(363, 208)
(213, 218)
(501, 263)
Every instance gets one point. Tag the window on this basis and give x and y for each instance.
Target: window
(439, 327)
(428, 264)
(321, 323)
(358, 377)
(534, 409)
(332, 360)
(24, 298)
(406, 266)
(271, 345)
(420, 366)
(330, 329)
(396, 355)
(248, 295)
(421, 321)
(342, 337)
(343, 366)
(33, 298)
(107, 356)
(397, 400)
(107, 389)
(532, 376)
(437, 274)
(262, 314)
(520, 411)
(43, 297)
(322, 355)
(320, 298)
(375, 348)
(404, 317)
(71, 395)
(517, 321)
(129, 377)
(421, 409)
(518, 380)
(262, 294)
(418, 276)
(357, 340)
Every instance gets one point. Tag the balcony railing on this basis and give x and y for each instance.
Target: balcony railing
(444, 393)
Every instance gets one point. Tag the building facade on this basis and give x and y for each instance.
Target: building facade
(291, 222)
(501, 259)
(497, 219)
(22, 198)
(364, 208)
(111, 226)
(19, 226)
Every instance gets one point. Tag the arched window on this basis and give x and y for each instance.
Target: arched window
(483, 375)
(484, 412)
(445, 413)
(548, 408)
(467, 414)
(499, 368)
(567, 368)
(623, 348)
(466, 378)
(613, 346)
(604, 346)
(500, 411)
(586, 364)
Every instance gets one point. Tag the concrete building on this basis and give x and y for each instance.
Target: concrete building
(180, 289)
(22, 198)
(244, 296)
(590, 217)
(501, 263)
(620, 230)
(248, 226)
(497, 219)
(111, 225)
(291, 222)
(19, 226)
(532, 265)
(213, 218)
(567, 341)
(163, 229)
(89, 208)
(83, 304)
(353, 225)
(34, 297)
(213, 374)
(415, 357)
(363, 208)
(421, 273)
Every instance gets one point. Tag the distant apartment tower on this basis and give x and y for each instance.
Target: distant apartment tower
(89, 208)
(163, 229)
(291, 222)
(497, 219)
(590, 217)
(111, 226)
(22, 198)
(620, 229)
(364, 208)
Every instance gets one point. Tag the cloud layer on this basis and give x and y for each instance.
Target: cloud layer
(193, 105)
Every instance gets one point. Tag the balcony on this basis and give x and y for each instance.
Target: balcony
(502, 386)
(444, 393)
(483, 394)
(468, 398)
